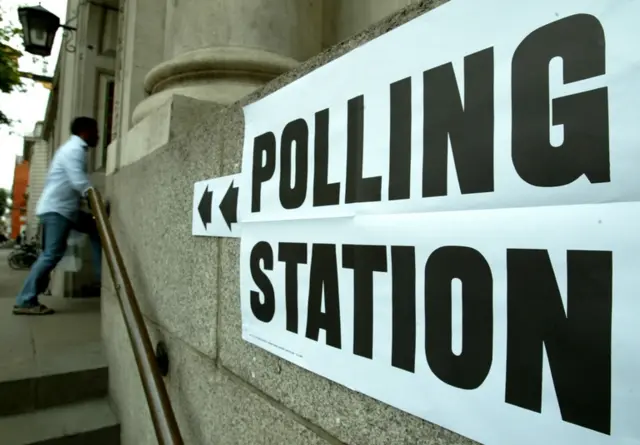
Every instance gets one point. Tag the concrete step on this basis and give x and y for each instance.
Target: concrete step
(51, 360)
(83, 423)
(40, 392)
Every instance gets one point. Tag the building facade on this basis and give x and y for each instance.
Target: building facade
(216, 51)
(36, 151)
(83, 85)
(19, 196)
(128, 60)
(167, 81)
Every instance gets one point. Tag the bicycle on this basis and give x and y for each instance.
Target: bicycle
(24, 256)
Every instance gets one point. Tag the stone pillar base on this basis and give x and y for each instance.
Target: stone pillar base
(217, 74)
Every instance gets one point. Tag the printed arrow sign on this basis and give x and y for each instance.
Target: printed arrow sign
(204, 208)
(215, 207)
(229, 206)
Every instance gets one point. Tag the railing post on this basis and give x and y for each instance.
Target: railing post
(162, 415)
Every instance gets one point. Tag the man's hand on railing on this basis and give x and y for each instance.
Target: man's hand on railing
(85, 205)
(107, 206)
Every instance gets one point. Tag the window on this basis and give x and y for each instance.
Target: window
(108, 121)
(105, 119)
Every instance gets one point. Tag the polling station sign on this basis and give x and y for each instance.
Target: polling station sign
(445, 219)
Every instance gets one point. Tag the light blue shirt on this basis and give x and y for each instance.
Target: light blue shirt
(67, 181)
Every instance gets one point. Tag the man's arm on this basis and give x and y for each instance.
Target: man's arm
(74, 166)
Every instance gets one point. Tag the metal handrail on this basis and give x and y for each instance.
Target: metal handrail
(162, 415)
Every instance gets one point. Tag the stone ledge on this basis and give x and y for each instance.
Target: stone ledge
(175, 117)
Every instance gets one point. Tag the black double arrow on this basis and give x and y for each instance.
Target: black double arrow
(228, 206)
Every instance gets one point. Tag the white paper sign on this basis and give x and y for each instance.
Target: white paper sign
(215, 206)
(522, 100)
(445, 315)
(445, 220)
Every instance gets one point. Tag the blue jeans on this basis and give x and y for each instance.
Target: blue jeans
(56, 229)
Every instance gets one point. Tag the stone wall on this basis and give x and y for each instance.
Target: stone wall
(224, 390)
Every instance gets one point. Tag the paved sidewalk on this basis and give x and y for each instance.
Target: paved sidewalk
(10, 280)
(32, 346)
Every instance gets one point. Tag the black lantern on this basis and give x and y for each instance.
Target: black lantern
(39, 28)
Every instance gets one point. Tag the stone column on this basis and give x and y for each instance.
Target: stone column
(221, 50)
(141, 47)
(344, 18)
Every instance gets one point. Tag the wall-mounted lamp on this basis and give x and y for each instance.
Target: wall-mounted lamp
(39, 28)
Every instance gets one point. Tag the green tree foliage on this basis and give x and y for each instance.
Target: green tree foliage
(4, 201)
(9, 74)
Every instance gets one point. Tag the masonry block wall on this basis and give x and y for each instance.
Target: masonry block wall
(224, 390)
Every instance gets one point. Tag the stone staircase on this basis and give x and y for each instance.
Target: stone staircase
(54, 377)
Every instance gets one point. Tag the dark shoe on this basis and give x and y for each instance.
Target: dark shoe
(33, 310)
